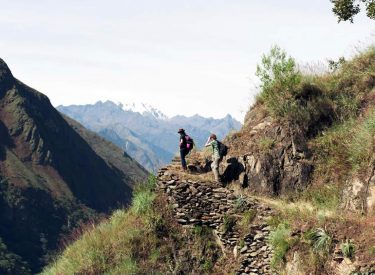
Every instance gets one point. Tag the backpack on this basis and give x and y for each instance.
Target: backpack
(223, 149)
(189, 143)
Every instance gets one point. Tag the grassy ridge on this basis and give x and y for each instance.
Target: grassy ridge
(144, 239)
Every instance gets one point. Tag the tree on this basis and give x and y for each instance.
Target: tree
(346, 9)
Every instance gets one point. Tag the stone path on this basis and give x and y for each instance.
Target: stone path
(206, 203)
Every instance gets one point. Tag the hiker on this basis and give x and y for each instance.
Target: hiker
(183, 148)
(212, 141)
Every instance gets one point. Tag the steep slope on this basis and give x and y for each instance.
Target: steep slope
(149, 137)
(297, 194)
(50, 176)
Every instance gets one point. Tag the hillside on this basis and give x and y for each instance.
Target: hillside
(145, 133)
(298, 194)
(51, 179)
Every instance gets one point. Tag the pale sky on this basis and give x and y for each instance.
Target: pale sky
(183, 57)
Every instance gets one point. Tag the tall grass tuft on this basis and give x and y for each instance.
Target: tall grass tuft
(320, 240)
(279, 239)
(348, 249)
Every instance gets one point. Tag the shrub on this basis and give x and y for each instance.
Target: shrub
(279, 239)
(348, 249)
(279, 78)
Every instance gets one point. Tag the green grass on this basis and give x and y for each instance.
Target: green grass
(121, 245)
(144, 239)
(345, 148)
(142, 202)
(266, 144)
(324, 197)
(372, 251)
(362, 146)
(280, 241)
(313, 101)
(247, 218)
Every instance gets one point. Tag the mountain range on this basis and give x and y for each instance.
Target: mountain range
(54, 174)
(144, 132)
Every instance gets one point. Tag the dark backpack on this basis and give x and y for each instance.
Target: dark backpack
(189, 143)
(223, 149)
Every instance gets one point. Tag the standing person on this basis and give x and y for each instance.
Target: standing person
(212, 141)
(183, 148)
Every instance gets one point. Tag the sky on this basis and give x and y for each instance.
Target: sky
(182, 57)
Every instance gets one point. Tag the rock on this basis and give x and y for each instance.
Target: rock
(235, 251)
(259, 236)
(254, 254)
(244, 249)
(171, 182)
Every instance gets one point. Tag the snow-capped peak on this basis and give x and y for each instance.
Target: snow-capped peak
(143, 109)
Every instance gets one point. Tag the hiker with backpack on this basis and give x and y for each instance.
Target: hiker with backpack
(186, 145)
(219, 150)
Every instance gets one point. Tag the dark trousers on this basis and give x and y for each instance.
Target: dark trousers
(183, 153)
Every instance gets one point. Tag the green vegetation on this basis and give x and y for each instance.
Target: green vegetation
(248, 217)
(348, 249)
(280, 241)
(325, 197)
(345, 10)
(240, 204)
(228, 223)
(333, 109)
(205, 248)
(266, 144)
(320, 240)
(143, 239)
(11, 263)
(279, 78)
(123, 244)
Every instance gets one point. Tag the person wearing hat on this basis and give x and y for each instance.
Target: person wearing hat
(212, 141)
(183, 148)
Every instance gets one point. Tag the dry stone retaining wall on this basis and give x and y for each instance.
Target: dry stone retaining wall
(208, 204)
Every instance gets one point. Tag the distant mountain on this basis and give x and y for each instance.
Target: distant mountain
(53, 174)
(143, 131)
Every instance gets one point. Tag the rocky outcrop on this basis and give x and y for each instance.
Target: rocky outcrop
(267, 156)
(204, 203)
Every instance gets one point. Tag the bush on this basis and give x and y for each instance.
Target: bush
(279, 239)
(279, 78)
